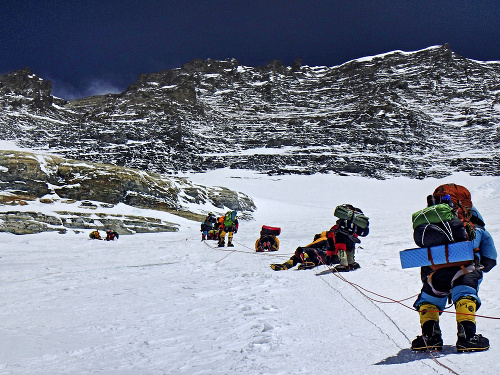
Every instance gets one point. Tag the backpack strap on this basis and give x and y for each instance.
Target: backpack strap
(463, 263)
(436, 292)
(446, 253)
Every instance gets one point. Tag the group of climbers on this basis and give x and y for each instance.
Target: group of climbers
(456, 282)
(111, 235)
(335, 246)
(213, 228)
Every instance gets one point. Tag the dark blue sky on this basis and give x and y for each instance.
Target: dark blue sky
(87, 47)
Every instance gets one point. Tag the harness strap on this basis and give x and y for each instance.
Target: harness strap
(462, 271)
(436, 292)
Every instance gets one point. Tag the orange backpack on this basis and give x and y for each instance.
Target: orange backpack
(461, 199)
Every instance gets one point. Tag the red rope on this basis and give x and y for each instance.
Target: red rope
(436, 360)
(390, 300)
(359, 288)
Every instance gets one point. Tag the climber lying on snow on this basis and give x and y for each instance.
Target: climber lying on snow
(334, 246)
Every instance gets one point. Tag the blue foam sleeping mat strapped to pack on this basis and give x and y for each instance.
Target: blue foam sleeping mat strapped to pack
(442, 254)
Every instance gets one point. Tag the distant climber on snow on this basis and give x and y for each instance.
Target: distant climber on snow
(94, 235)
(268, 240)
(111, 235)
(207, 226)
(228, 224)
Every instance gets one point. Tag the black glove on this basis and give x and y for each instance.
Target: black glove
(328, 259)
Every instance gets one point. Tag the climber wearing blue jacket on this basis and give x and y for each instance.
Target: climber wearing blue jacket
(484, 242)
(461, 284)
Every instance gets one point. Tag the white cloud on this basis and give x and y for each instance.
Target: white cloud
(96, 86)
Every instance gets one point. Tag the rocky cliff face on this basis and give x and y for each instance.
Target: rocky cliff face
(26, 177)
(419, 114)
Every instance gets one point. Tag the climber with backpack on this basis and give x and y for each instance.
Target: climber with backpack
(351, 225)
(334, 246)
(95, 235)
(268, 240)
(207, 226)
(111, 235)
(459, 281)
(229, 225)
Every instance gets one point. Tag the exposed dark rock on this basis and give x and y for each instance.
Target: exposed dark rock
(422, 114)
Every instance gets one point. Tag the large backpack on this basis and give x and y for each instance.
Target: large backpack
(442, 233)
(446, 220)
(229, 218)
(432, 215)
(351, 214)
(461, 201)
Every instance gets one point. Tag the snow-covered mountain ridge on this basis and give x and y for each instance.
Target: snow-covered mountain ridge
(418, 114)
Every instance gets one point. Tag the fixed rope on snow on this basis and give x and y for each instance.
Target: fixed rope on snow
(365, 292)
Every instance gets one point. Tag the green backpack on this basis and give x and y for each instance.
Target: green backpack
(432, 215)
(229, 218)
(349, 213)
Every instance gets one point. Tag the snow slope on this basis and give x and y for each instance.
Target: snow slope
(171, 304)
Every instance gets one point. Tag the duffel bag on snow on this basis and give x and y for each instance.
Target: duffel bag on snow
(273, 231)
(426, 235)
(432, 215)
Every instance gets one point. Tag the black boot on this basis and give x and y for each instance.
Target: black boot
(341, 268)
(468, 340)
(354, 266)
(430, 338)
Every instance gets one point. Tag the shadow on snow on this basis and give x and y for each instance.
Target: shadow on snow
(407, 355)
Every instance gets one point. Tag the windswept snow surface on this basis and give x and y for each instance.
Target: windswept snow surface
(171, 304)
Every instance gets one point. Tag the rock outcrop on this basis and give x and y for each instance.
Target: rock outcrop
(30, 222)
(26, 177)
